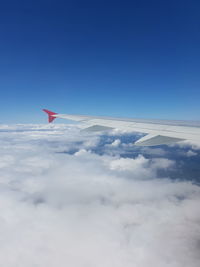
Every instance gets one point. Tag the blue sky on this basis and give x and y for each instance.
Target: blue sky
(115, 58)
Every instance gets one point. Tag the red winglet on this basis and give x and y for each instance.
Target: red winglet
(50, 113)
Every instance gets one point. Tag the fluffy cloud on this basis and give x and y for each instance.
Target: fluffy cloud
(191, 153)
(64, 204)
(116, 143)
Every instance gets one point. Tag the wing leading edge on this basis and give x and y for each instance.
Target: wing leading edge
(158, 132)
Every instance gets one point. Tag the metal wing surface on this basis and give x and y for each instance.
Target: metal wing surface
(158, 132)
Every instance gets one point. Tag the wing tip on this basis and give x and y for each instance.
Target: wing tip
(50, 115)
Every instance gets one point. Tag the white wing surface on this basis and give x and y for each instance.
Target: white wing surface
(158, 132)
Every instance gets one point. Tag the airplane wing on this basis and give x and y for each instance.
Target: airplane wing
(158, 132)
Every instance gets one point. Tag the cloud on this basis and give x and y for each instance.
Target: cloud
(63, 204)
(161, 163)
(116, 143)
(191, 153)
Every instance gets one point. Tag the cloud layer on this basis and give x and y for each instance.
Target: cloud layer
(64, 204)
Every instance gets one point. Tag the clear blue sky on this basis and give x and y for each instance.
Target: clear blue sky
(116, 58)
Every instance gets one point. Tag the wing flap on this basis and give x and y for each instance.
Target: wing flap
(97, 128)
(155, 140)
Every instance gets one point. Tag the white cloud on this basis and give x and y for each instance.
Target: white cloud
(116, 143)
(187, 143)
(191, 153)
(161, 163)
(82, 209)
